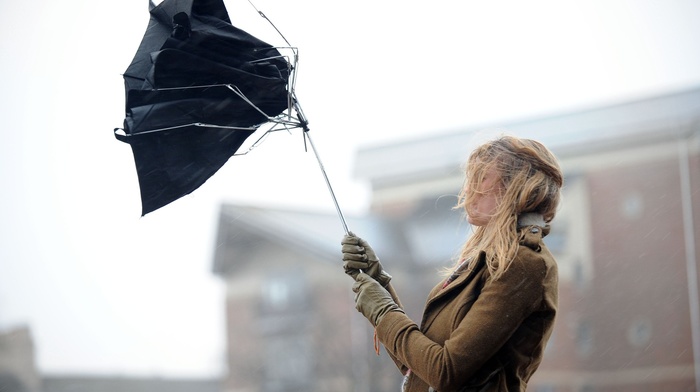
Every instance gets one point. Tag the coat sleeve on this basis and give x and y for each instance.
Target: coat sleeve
(402, 368)
(496, 314)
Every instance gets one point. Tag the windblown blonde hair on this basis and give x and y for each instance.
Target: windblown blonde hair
(531, 181)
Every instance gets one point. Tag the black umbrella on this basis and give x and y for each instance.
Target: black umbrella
(196, 89)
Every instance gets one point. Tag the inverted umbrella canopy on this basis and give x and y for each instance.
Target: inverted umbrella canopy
(195, 90)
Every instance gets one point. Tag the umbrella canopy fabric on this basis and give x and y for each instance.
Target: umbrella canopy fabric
(195, 90)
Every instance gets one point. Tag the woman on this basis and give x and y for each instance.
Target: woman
(485, 326)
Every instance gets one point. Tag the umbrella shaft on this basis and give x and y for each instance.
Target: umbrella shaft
(328, 184)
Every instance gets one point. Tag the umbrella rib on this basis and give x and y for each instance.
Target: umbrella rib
(195, 124)
(231, 87)
(268, 20)
(240, 94)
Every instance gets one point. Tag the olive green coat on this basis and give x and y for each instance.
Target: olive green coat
(479, 334)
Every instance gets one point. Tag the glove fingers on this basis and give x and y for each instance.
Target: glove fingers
(354, 264)
(367, 249)
(355, 257)
(352, 248)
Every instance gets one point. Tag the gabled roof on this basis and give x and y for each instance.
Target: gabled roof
(579, 132)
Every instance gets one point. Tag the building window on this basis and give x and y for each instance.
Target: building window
(277, 293)
(639, 332)
(283, 324)
(284, 291)
(632, 206)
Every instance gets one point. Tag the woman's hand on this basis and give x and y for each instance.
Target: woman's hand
(358, 257)
(372, 300)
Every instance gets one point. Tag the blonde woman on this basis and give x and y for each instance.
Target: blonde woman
(486, 324)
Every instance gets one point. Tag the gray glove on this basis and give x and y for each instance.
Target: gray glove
(372, 300)
(358, 257)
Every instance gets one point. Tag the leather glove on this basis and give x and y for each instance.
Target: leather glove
(358, 255)
(372, 300)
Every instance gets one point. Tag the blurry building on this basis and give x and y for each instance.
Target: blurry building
(18, 372)
(624, 239)
(87, 383)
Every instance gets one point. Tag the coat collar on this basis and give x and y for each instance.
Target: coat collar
(468, 275)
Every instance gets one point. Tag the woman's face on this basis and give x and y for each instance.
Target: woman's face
(485, 199)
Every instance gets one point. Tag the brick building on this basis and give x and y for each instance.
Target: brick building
(624, 239)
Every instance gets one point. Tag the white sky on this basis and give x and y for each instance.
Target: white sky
(106, 291)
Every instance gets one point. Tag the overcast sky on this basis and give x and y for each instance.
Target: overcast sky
(107, 291)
